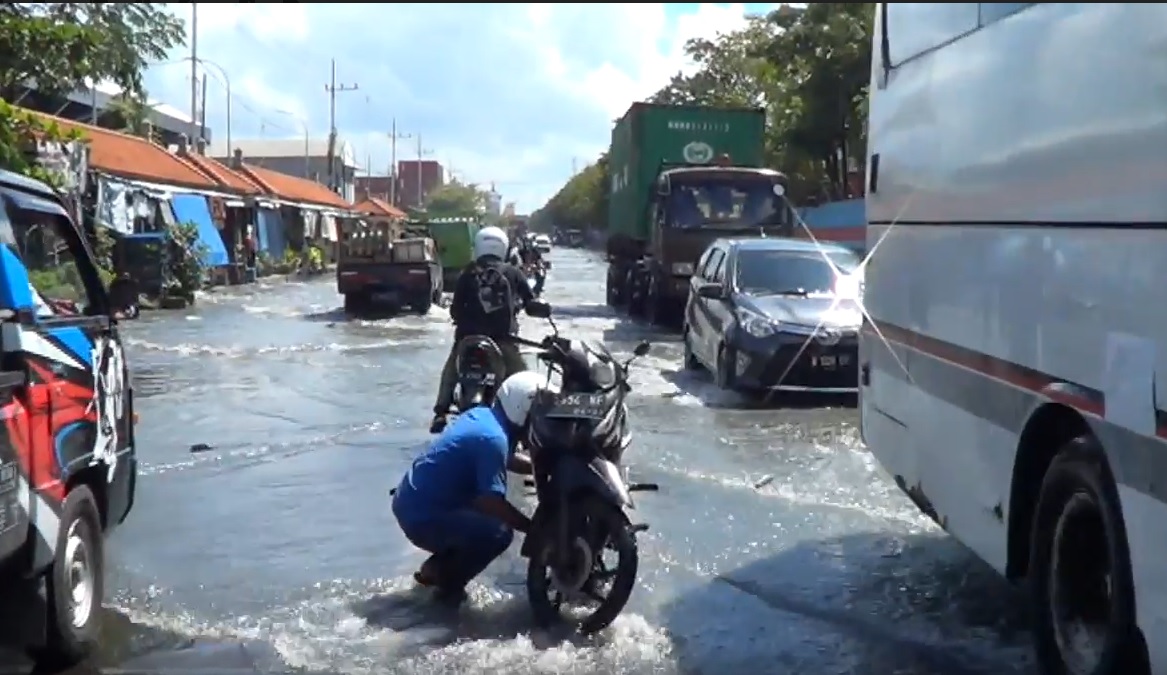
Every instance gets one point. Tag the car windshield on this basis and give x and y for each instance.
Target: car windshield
(718, 203)
(792, 272)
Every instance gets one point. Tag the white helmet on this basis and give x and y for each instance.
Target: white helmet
(491, 241)
(517, 394)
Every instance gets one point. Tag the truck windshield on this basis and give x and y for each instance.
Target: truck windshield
(724, 204)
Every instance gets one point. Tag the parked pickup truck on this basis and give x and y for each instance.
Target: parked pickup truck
(68, 467)
(377, 271)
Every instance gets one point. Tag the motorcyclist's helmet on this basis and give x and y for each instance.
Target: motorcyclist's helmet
(516, 396)
(491, 241)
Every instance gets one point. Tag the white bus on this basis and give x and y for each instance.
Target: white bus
(1010, 367)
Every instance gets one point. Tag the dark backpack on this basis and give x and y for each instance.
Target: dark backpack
(495, 297)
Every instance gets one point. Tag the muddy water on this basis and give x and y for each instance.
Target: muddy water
(776, 542)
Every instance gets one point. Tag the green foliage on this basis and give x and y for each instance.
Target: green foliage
(61, 44)
(59, 282)
(103, 245)
(807, 66)
(19, 131)
(185, 271)
(455, 200)
(130, 114)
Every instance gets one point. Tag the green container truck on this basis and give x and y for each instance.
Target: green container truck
(681, 177)
(454, 238)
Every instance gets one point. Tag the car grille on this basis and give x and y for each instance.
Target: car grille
(804, 372)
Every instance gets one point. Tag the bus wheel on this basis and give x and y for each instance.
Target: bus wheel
(1079, 568)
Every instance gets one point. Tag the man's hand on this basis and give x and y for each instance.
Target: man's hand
(498, 507)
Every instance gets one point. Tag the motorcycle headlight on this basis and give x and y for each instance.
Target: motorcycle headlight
(603, 374)
(755, 324)
(682, 269)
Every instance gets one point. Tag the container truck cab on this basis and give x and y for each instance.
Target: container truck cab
(682, 177)
(689, 208)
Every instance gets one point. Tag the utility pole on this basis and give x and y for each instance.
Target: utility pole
(573, 166)
(393, 138)
(420, 193)
(194, 69)
(332, 88)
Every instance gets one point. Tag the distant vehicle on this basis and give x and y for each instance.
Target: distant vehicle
(683, 176)
(68, 466)
(775, 315)
(374, 271)
(543, 243)
(1015, 361)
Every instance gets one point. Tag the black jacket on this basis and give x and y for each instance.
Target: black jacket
(467, 312)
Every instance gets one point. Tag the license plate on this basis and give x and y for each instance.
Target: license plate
(476, 377)
(579, 406)
(830, 361)
(388, 297)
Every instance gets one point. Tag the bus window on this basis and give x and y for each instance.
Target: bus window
(995, 11)
(917, 27)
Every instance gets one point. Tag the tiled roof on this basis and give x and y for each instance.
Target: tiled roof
(379, 207)
(229, 179)
(294, 189)
(129, 156)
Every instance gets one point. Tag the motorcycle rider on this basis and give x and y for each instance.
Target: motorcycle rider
(452, 501)
(487, 298)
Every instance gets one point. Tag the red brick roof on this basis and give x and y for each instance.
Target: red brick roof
(120, 154)
(232, 180)
(292, 188)
(379, 207)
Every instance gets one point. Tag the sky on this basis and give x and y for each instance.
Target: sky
(507, 93)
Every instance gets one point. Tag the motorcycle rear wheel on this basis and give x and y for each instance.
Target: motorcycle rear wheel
(619, 539)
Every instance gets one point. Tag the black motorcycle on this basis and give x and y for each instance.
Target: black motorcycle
(576, 440)
(480, 369)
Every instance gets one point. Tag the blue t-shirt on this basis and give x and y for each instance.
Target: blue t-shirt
(468, 459)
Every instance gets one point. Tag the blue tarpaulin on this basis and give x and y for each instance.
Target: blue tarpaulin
(272, 239)
(194, 209)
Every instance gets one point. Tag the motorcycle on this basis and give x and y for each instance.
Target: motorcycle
(576, 441)
(480, 370)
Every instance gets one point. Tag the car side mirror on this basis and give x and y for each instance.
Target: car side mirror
(712, 291)
(539, 309)
(663, 187)
(642, 348)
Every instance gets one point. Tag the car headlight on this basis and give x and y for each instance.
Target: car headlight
(683, 269)
(755, 324)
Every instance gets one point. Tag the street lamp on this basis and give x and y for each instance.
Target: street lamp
(226, 83)
(304, 126)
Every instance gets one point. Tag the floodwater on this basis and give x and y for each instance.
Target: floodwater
(777, 544)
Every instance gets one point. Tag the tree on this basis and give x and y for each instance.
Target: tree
(127, 113)
(807, 67)
(58, 45)
(582, 203)
(455, 200)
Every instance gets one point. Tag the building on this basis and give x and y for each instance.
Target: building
(493, 203)
(418, 178)
(87, 105)
(299, 157)
(380, 187)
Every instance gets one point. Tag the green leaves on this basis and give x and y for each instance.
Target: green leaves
(807, 66)
(60, 44)
(455, 200)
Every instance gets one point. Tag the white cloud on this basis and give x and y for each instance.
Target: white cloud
(510, 93)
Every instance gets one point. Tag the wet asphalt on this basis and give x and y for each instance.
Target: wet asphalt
(777, 544)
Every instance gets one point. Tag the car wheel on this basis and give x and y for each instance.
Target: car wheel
(75, 584)
(1080, 570)
(723, 374)
(690, 359)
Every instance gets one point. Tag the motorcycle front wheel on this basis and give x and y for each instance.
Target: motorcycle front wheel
(597, 527)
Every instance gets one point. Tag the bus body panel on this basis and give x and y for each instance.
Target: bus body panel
(1024, 159)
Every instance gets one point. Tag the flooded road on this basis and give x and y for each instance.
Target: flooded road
(776, 544)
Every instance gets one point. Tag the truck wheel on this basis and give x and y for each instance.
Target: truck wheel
(423, 303)
(1080, 570)
(612, 288)
(355, 303)
(75, 584)
(653, 312)
(632, 292)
